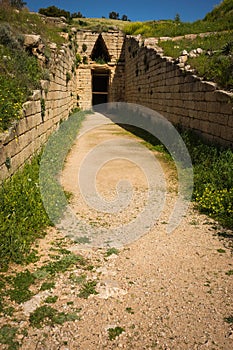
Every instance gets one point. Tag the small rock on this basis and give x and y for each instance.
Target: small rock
(184, 53)
(192, 54)
(183, 59)
(53, 46)
(199, 51)
(151, 41)
(63, 19)
(181, 65)
(165, 38)
(44, 84)
(20, 336)
(36, 95)
(73, 30)
(32, 304)
(31, 40)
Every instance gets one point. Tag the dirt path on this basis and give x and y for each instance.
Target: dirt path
(162, 291)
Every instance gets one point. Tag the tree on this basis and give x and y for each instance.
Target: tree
(124, 18)
(53, 11)
(77, 15)
(18, 4)
(114, 15)
(177, 18)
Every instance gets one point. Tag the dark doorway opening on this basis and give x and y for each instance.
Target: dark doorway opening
(100, 84)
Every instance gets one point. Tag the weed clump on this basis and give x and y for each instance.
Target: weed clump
(20, 72)
(22, 214)
(115, 332)
(48, 315)
(213, 179)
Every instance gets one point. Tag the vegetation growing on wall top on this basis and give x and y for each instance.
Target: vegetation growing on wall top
(20, 72)
(216, 61)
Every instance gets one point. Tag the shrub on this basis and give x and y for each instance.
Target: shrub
(84, 47)
(7, 38)
(19, 4)
(53, 11)
(217, 67)
(22, 215)
(213, 179)
(78, 60)
(19, 75)
(68, 77)
(85, 60)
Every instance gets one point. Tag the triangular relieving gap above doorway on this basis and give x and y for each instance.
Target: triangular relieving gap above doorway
(100, 51)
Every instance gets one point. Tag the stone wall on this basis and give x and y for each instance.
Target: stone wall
(138, 73)
(41, 115)
(114, 41)
(84, 89)
(158, 83)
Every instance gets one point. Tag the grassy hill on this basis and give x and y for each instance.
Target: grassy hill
(223, 11)
(98, 24)
(220, 19)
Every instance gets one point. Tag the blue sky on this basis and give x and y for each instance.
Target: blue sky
(136, 10)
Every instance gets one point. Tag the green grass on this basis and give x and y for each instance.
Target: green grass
(98, 24)
(47, 315)
(52, 162)
(229, 319)
(129, 310)
(60, 266)
(22, 215)
(21, 283)
(47, 285)
(221, 251)
(51, 299)
(172, 28)
(7, 337)
(87, 289)
(221, 18)
(213, 179)
(217, 66)
(223, 11)
(213, 173)
(115, 332)
(229, 273)
(20, 73)
(111, 251)
(17, 287)
(77, 279)
(211, 42)
(25, 22)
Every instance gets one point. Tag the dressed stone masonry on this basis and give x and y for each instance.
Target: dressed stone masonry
(42, 114)
(137, 72)
(184, 99)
